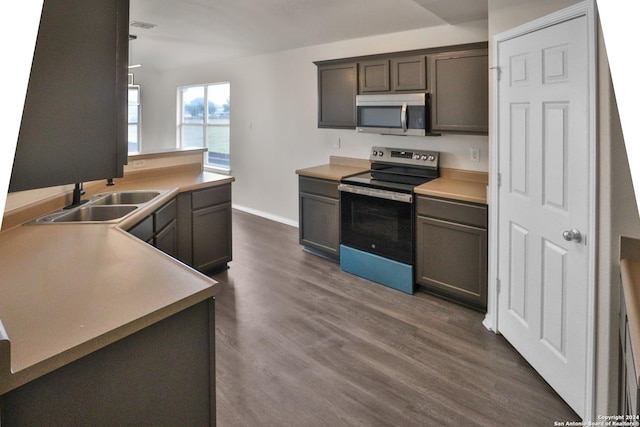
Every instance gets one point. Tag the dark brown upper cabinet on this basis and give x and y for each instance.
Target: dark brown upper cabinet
(374, 76)
(337, 88)
(460, 91)
(74, 121)
(409, 73)
(456, 77)
(393, 75)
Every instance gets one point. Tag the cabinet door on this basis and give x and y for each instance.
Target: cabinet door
(337, 87)
(165, 215)
(184, 219)
(144, 229)
(167, 239)
(374, 76)
(409, 73)
(451, 260)
(320, 223)
(460, 91)
(211, 237)
(74, 121)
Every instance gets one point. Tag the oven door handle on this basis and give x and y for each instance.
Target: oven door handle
(375, 192)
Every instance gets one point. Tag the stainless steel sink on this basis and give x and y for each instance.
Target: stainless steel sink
(90, 213)
(125, 198)
(101, 208)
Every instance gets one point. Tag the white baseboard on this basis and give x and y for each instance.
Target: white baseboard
(267, 215)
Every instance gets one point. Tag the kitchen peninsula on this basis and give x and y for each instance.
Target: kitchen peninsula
(102, 326)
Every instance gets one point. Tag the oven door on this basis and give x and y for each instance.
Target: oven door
(377, 221)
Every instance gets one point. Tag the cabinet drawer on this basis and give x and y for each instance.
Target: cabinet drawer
(210, 196)
(165, 215)
(321, 187)
(144, 229)
(450, 210)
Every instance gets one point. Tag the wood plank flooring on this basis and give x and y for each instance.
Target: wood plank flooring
(302, 343)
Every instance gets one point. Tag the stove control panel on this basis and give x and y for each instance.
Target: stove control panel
(405, 156)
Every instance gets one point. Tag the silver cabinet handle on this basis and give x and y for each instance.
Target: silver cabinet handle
(403, 117)
(572, 235)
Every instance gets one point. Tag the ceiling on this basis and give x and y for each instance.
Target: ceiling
(191, 32)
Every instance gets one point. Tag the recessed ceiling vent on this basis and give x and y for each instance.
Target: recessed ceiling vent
(143, 25)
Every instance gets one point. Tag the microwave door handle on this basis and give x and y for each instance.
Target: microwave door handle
(403, 117)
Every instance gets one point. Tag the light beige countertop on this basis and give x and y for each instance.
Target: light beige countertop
(70, 289)
(337, 168)
(468, 186)
(630, 274)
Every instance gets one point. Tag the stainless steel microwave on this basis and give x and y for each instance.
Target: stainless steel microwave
(393, 114)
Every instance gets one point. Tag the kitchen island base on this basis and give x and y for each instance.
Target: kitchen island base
(161, 375)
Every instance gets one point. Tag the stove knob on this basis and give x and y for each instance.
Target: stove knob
(432, 157)
(380, 153)
(424, 157)
(416, 156)
(374, 153)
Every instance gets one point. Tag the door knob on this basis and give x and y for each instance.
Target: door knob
(572, 235)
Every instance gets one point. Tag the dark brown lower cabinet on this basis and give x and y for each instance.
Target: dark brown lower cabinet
(159, 229)
(319, 206)
(161, 375)
(211, 236)
(167, 239)
(451, 250)
(204, 228)
(195, 228)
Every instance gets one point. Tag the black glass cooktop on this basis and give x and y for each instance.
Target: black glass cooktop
(367, 180)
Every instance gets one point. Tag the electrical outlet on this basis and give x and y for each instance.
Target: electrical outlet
(474, 154)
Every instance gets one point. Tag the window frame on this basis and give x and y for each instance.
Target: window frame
(205, 124)
(139, 115)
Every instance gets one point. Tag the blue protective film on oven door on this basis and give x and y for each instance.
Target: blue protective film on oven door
(385, 271)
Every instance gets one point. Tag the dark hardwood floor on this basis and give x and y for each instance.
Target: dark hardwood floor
(301, 343)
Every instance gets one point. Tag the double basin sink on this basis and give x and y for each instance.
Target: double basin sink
(101, 208)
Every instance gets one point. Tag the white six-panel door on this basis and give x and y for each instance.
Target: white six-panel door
(544, 202)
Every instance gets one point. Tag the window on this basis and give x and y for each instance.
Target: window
(204, 121)
(133, 111)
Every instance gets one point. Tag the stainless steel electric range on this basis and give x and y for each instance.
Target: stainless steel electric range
(377, 216)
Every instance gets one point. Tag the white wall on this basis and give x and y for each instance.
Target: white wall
(274, 115)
